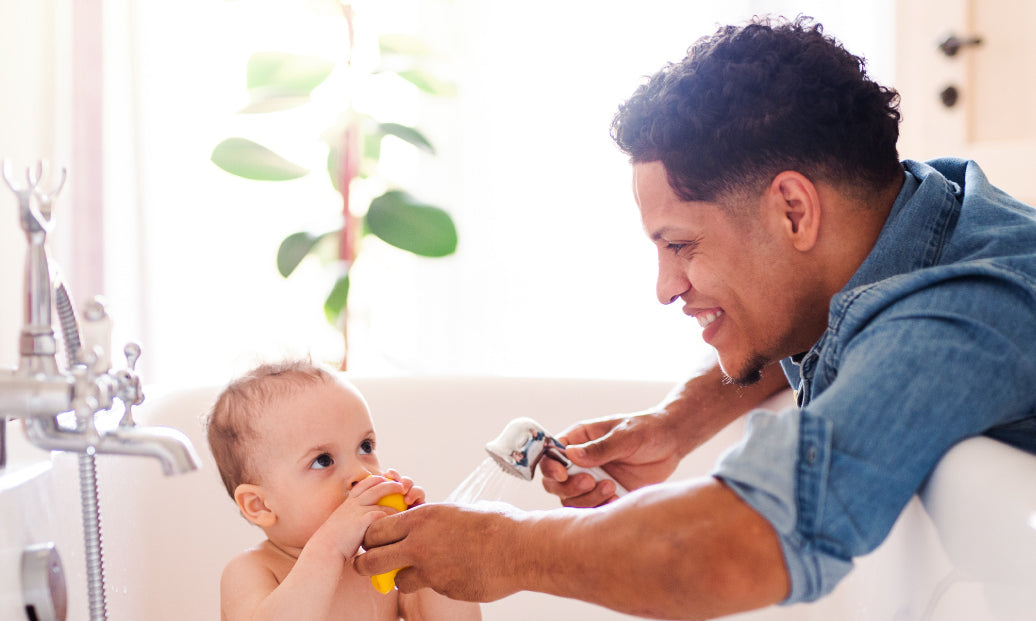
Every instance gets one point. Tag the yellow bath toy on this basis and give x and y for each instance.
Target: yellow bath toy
(387, 581)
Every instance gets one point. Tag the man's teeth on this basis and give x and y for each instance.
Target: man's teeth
(704, 319)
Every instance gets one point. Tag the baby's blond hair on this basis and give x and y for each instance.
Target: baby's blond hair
(229, 424)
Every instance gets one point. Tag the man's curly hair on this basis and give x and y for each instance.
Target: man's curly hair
(752, 101)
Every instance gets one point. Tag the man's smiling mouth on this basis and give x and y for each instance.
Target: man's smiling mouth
(706, 317)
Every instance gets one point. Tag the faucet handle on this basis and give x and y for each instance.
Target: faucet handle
(129, 384)
(45, 199)
(132, 352)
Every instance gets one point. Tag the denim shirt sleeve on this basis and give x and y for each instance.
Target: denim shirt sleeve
(908, 368)
(778, 450)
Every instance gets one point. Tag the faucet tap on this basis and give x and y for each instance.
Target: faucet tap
(95, 389)
(38, 391)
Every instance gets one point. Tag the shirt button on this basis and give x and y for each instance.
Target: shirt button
(811, 454)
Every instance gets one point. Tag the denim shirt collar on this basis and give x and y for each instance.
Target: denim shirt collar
(920, 222)
(918, 226)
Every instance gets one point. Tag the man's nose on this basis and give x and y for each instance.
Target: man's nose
(672, 282)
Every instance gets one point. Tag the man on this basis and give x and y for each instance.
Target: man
(897, 297)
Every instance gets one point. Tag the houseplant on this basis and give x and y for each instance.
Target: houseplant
(279, 81)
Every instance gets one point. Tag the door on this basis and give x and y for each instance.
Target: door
(965, 70)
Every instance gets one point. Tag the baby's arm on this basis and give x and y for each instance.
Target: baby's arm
(249, 588)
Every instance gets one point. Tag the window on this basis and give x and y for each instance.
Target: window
(553, 275)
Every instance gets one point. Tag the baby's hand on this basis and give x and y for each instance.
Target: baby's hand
(412, 494)
(345, 527)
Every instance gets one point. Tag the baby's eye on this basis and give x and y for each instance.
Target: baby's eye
(367, 447)
(322, 461)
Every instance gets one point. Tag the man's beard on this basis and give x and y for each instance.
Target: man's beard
(751, 373)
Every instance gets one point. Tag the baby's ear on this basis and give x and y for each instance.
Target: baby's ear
(250, 500)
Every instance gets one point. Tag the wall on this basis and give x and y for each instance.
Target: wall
(27, 132)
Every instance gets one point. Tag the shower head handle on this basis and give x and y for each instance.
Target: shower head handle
(524, 443)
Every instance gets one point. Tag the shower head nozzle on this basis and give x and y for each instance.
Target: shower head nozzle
(519, 447)
(524, 442)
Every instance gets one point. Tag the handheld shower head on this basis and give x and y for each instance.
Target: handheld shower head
(519, 447)
(524, 442)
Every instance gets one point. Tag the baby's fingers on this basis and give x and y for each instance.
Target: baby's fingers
(414, 496)
(372, 489)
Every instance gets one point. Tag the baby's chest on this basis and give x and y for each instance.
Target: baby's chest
(357, 600)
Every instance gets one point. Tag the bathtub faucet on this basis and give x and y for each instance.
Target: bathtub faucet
(44, 396)
(60, 407)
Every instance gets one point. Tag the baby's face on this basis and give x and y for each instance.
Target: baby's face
(314, 446)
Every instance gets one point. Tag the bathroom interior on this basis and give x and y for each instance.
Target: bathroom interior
(109, 116)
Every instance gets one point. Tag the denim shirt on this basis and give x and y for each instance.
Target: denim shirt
(932, 341)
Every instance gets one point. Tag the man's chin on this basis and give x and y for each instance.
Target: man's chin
(747, 373)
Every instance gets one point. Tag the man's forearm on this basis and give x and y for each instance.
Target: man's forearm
(707, 403)
(687, 550)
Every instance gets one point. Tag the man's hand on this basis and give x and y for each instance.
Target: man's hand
(461, 551)
(636, 449)
(645, 448)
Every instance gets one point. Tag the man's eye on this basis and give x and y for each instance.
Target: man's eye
(684, 250)
(322, 461)
(366, 447)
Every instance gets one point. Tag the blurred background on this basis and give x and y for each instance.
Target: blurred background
(552, 275)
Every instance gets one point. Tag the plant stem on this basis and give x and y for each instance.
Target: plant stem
(349, 165)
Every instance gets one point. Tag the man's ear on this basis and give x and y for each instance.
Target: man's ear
(798, 205)
(251, 501)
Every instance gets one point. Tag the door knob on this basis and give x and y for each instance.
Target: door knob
(953, 44)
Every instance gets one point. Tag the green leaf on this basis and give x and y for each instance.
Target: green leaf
(334, 166)
(428, 83)
(337, 300)
(400, 220)
(402, 45)
(293, 249)
(277, 80)
(407, 134)
(372, 146)
(244, 158)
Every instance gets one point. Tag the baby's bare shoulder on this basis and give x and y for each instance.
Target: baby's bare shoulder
(247, 579)
(259, 565)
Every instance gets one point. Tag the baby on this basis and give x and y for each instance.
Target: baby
(295, 447)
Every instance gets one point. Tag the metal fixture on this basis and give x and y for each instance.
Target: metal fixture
(60, 408)
(43, 583)
(524, 442)
(949, 96)
(953, 44)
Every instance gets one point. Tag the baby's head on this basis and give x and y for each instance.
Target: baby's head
(290, 440)
(232, 425)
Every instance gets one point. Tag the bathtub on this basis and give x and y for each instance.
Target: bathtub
(964, 548)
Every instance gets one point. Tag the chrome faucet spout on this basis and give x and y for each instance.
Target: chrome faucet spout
(169, 446)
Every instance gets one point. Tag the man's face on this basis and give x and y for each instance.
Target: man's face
(732, 273)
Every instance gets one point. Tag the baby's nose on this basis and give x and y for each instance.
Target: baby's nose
(364, 474)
